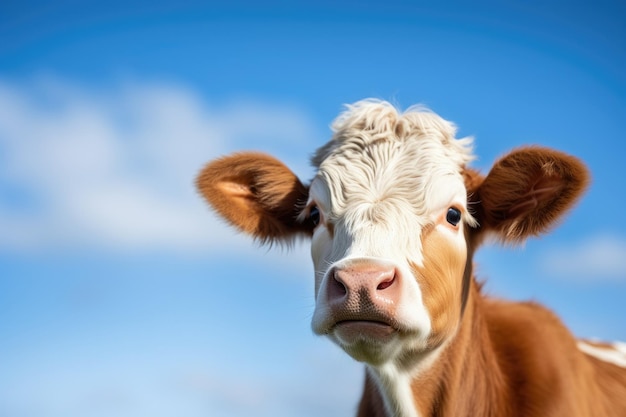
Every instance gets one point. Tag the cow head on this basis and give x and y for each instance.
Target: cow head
(394, 215)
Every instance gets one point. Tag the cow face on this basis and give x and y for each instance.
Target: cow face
(389, 207)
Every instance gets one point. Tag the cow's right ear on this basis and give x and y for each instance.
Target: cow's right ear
(257, 194)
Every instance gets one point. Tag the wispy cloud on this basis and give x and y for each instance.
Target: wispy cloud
(597, 258)
(115, 168)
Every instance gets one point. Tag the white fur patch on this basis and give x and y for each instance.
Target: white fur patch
(385, 175)
(395, 384)
(615, 354)
(395, 387)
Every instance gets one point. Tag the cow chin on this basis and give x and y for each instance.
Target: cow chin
(369, 342)
(376, 343)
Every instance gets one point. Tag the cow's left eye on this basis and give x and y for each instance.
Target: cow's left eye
(314, 216)
(453, 216)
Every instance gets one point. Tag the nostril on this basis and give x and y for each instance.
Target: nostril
(386, 283)
(340, 286)
(336, 287)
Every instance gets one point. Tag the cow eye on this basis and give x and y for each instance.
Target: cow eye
(453, 216)
(314, 216)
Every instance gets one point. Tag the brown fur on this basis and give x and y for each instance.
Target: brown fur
(440, 282)
(512, 360)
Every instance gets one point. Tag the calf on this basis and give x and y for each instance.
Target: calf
(394, 215)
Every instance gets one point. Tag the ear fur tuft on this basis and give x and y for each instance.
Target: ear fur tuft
(256, 193)
(528, 190)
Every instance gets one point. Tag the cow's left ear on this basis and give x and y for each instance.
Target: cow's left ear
(527, 191)
(257, 194)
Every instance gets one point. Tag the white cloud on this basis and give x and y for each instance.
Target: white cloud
(81, 167)
(597, 258)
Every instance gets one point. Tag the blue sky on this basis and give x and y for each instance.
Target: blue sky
(122, 295)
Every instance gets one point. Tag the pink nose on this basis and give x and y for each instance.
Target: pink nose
(363, 291)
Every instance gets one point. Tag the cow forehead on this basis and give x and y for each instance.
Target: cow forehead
(381, 158)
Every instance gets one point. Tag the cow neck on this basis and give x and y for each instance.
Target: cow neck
(466, 379)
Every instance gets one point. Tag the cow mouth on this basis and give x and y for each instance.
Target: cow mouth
(353, 331)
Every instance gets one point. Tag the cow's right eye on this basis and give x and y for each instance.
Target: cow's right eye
(453, 216)
(314, 216)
